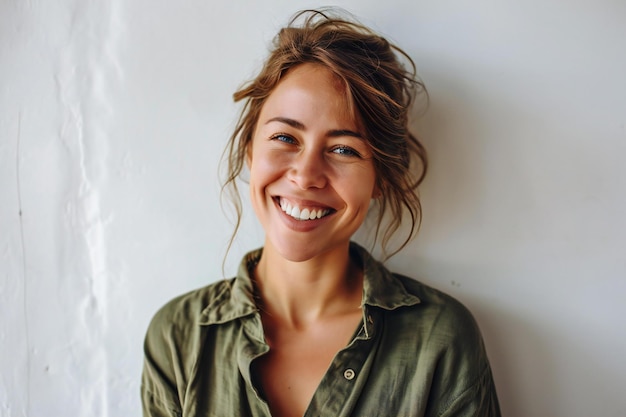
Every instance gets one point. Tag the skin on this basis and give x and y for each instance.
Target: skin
(307, 151)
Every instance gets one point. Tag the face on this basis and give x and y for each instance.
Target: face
(311, 172)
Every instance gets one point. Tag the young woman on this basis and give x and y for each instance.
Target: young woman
(312, 325)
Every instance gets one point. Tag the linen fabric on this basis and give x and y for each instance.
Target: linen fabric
(417, 352)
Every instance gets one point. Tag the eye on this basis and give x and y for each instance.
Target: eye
(281, 137)
(345, 150)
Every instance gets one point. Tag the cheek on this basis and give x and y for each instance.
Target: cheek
(264, 169)
(368, 183)
(359, 195)
(268, 162)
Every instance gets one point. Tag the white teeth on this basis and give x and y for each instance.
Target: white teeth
(304, 214)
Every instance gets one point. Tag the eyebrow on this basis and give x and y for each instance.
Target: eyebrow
(300, 126)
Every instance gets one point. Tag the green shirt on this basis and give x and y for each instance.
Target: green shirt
(417, 352)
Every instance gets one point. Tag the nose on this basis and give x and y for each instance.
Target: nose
(308, 170)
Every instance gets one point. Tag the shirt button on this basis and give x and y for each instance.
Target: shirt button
(349, 374)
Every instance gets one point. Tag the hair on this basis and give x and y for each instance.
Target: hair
(380, 92)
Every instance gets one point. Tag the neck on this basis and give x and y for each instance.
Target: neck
(300, 293)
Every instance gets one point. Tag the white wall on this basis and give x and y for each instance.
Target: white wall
(113, 116)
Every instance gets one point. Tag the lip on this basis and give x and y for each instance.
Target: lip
(302, 225)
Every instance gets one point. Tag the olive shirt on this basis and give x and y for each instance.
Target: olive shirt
(417, 352)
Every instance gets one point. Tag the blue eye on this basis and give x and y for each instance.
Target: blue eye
(346, 151)
(283, 138)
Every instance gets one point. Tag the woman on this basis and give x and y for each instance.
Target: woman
(312, 324)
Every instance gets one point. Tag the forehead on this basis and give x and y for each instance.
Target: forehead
(311, 88)
(315, 72)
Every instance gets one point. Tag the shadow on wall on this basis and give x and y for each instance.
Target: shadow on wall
(455, 182)
(458, 207)
(508, 354)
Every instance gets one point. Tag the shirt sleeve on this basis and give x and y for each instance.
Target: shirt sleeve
(159, 392)
(463, 384)
(479, 400)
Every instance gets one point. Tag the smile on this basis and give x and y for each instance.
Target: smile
(299, 213)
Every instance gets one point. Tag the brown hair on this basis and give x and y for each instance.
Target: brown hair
(380, 91)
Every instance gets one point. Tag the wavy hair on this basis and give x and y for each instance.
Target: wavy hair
(380, 90)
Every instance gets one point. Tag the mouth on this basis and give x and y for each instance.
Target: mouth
(302, 213)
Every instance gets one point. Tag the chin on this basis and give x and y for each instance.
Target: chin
(294, 254)
(301, 251)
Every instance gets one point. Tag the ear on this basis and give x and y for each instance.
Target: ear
(249, 155)
(376, 193)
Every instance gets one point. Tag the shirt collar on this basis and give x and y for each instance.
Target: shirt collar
(381, 288)
(234, 298)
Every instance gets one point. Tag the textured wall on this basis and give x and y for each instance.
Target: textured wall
(113, 116)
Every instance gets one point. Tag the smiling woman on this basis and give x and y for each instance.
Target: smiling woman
(313, 325)
(306, 154)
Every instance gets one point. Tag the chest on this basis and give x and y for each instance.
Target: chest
(375, 375)
(291, 371)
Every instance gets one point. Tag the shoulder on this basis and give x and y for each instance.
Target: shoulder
(185, 312)
(450, 343)
(441, 314)
(172, 345)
